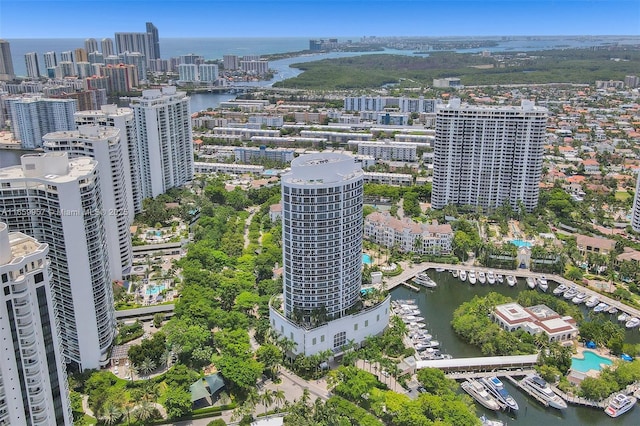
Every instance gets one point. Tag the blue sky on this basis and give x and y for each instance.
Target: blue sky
(282, 18)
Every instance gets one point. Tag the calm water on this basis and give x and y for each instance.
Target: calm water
(437, 307)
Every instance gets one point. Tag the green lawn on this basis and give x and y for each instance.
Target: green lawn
(622, 195)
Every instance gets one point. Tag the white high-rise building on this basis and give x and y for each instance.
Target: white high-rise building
(50, 60)
(58, 201)
(188, 72)
(106, 47)
(488, 156)
(33, 377)
(635, 218)
(165, 142)
(122, 119)
(32, 117)
(90, 45)
(67, 56)
(322, 199)
(31, 61)
(104, 145)
(208, 72)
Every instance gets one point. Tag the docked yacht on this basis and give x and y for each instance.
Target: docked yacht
(479, 392)
(500, 278)
(463, 275)
(601, 307)
(491, 277)
(542, 283)
(412, 318)
(592, 302)
(482, 278)
(531, 283)
(511, 280)
(632, 322)
(580, 298)
(623, 317)
(612, 310)
(497, 390)
(424, 280)
(619, 405)
(488, 422)
(539, 389)
(455, 273)
(560, 289)
(439, 269)
(570, 293)
(472, 277)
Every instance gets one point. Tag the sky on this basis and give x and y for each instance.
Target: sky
(318, 18)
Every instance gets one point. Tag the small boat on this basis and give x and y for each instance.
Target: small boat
(619, 405)
(560, 289)
(531, 283)
(539, 389)
(412, 318)
(455, 273)
(632, 322)
(497, 390)
(480, 394)
(487, 422)
(511, 280)
(491, 277)
(623, 317)
(463, 275)
(438, 269)
(500, 278)
(592, 302)
(482, 277)
(601, 307)
(612, 310)
(472, 277)
(431, 344)
(424, 280)
(580, 298)
(570, 293)
(542, 283)
(416, 325)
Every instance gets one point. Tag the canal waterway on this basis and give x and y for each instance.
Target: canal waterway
(437, 308)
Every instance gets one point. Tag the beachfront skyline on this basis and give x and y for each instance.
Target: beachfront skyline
(318, 18)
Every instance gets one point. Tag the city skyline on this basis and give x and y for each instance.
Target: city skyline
(327, 18)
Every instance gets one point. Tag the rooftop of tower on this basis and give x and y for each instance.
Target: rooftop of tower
(54, 167)
(321, 168)
(20, 244)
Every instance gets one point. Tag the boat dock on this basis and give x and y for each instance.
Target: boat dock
(517, 384)
(410, 286)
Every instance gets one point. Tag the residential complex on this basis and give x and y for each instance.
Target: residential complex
(488, 156)
(322, 256)
(163, 120)
(59, 202)
(33, 117)
(535, 320)
(408, 236)
(381, 103)
(33, 378)
(6, 62)
(104, 145)
(635, 214)
(386, 150)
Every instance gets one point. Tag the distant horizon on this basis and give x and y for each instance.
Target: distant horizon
(60, 19)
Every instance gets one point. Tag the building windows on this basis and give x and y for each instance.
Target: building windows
(339, 339)
(313, 341)
(355, 327)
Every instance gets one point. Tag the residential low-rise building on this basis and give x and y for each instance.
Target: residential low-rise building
(598, 245)
(535, 320)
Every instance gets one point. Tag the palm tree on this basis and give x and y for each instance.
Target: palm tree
(144, 411)
(150, 391)
(267, 399)
(279, 397)
(111, 414)
(147, 366)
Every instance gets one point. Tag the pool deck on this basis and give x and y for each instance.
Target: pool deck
(601, 352)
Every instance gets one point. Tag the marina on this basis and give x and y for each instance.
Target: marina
(437, 308)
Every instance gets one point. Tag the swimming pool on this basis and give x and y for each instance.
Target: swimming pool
(152, 290)
(366, 259)
(591, 361)
(520, 243)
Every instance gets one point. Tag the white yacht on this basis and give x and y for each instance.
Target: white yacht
(439, 269)
(455, 273)
(632, 322)
(487, 422)
(619, 405)
(511, 280)
(500, 278)
(536, 386)
(497, 390)
(463, 275)
(592, 302)
(601, 307)
(623, 317)
(580, 298)
(482, 278)
(472, 277)
(531, 283)
(542, 283)
(424, 280)
(570, 293)
(560, 289)
(478, 392)
(491, 277)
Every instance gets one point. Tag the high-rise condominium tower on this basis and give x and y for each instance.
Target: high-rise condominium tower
(91, 45)
(32, 117)
(31, 61)
(6, 63)
(487, 156)
(106, 44)
(635, 218)
(58, 201)
(322, 255)
(105, 146)
(165, 149)
(122, 119)
(33, 378)
(154, 41)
